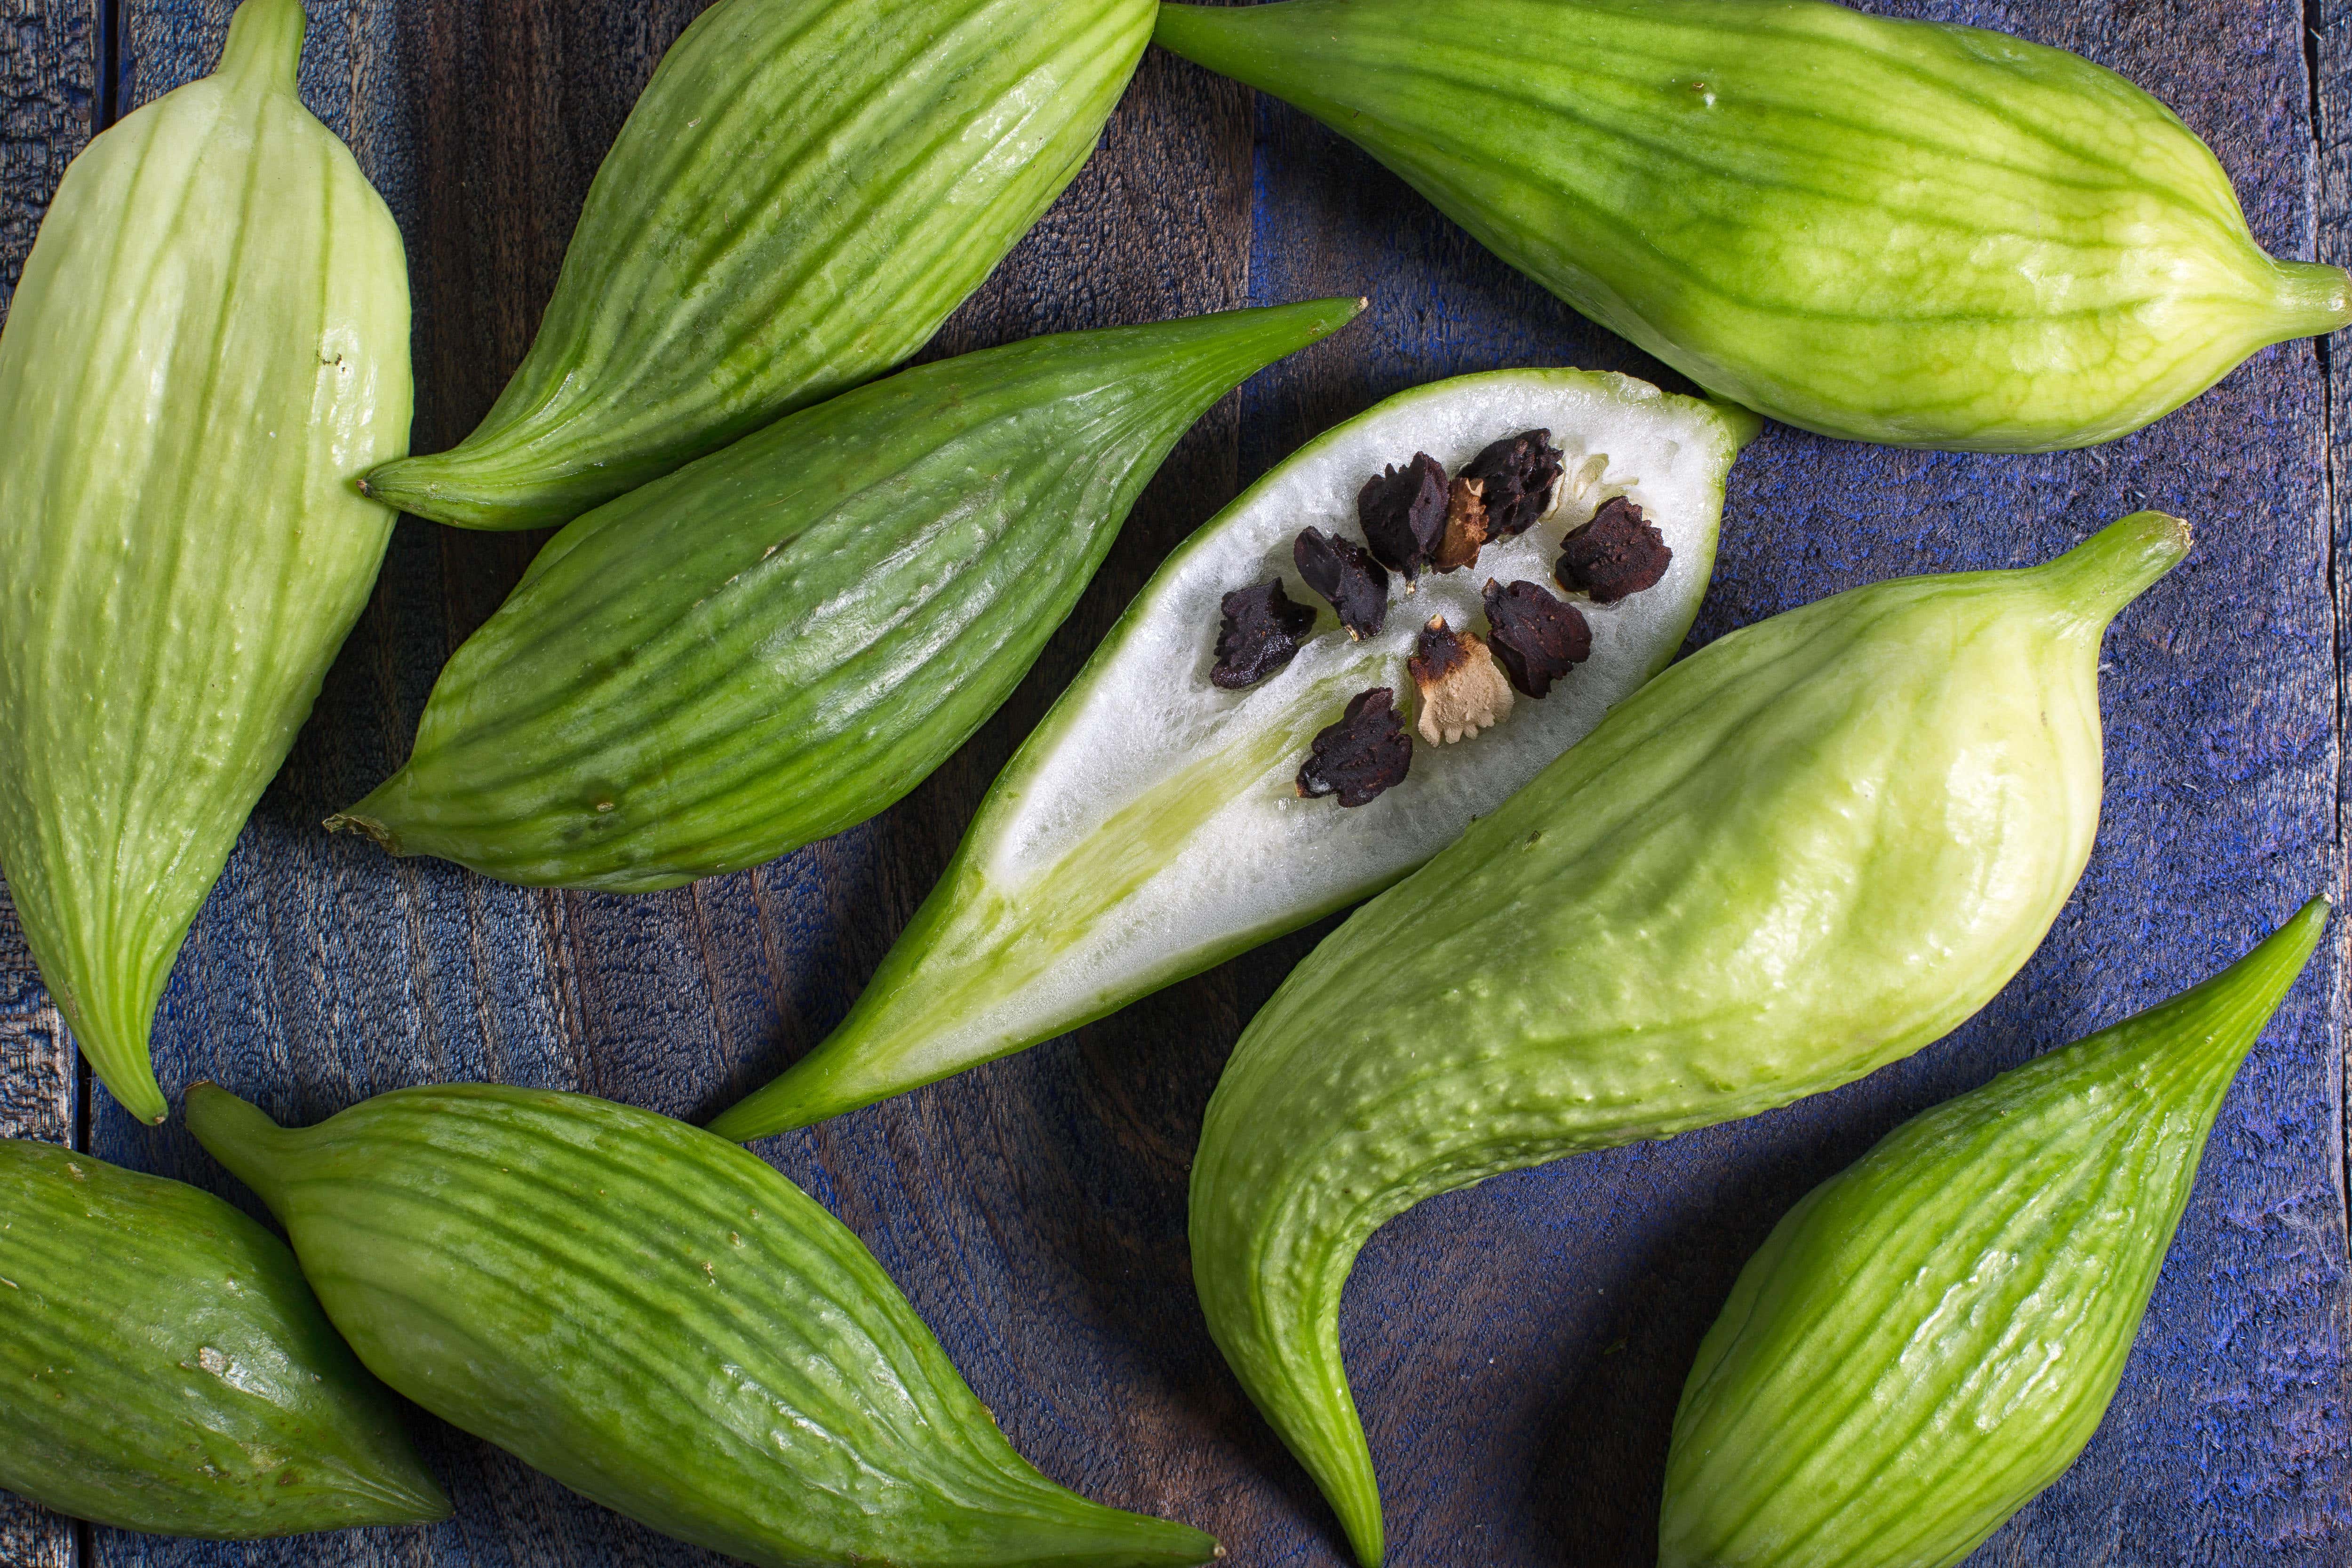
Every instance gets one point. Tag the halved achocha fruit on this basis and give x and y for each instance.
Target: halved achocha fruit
(1154, 825)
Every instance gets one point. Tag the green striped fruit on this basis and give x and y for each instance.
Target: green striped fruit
(209, 344)
(805, 191)
(1930, 1338)
(163, 1367)
(1897, 231)
(781, 640)
(1800, 854)
(1152, 827)
(658, 1319)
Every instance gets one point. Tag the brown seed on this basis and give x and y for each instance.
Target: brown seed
(1461, 691)
(1536, 637)
(1404, 515)
(1614, 555)
(1519, 473)
(1260, 634)
(1466, 527)
(1344, 572)
(1362, 755)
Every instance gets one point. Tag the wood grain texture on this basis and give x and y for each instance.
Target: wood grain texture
(49, 107)
(1517, 1349)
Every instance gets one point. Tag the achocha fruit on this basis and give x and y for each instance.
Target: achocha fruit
(1929, 1339)
(209, 345)
(1154, 824)
(805, 191)
(164, 1366)
(661, 1322)
(1895, 231)
(1804, 853)
(778, 642)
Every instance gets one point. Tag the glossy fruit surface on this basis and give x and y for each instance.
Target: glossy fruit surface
(163, 1367)
(805, 191)
(209, 345)
(1151, 826)
(781, 640)
(661, 1322)
(1929, 1338)
(1897, 231)
(1804, 853)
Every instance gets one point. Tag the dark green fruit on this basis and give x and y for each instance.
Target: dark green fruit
(1929, 1339)
(805, 191)
(778, 642)
(163, 1367)
(661, 1322)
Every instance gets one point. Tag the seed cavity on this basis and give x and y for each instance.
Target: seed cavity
(1536, 638)
(1345, 575)
(1404, 515)
(1365, 753)
(1615, 555)
(1518, 474)
(1461, 691)
(1260, 633)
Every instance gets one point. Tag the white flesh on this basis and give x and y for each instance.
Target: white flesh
(1151, 827)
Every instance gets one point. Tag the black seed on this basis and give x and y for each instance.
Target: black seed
(1344, 572)
(1403, 514)
(1518, 474)
(1260, 634)
(1535, 637)
(1363, 754)
(1614, 555)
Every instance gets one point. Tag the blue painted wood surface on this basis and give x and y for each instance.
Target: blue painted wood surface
(1517, 1348)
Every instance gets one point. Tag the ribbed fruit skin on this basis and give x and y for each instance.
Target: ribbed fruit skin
(779, 640)
(1895, 231)
(209, 344)
(1804, 853)
(804, 191)
(163, 1367)
(655, 1318)
(1929, 1338)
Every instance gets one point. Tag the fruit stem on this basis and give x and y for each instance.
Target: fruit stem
(2117, 564)
(265, 45)
(2313, 298)
(241, 1136)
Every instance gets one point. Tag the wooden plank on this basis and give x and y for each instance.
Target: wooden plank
(1523, 1416)
(49, 107)
(1033, 1210)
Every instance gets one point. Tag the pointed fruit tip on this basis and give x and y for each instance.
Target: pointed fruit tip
(265, 44)
(2114, 566)
(2313, 299)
